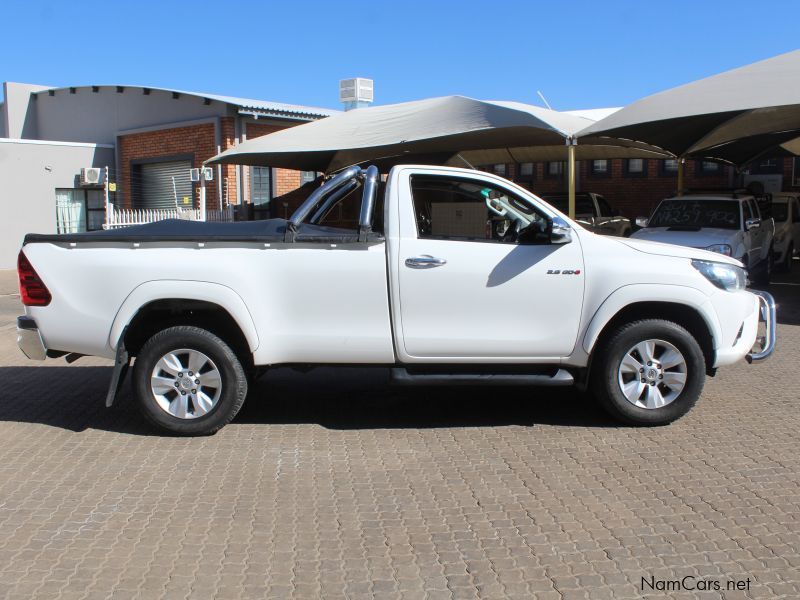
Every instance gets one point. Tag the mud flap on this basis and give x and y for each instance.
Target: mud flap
(121, 364)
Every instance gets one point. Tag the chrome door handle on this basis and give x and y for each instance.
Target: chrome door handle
(425, 261)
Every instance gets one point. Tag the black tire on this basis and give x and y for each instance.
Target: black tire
(232, 375)
(605, 382)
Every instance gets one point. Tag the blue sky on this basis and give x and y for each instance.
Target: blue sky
(579, 54)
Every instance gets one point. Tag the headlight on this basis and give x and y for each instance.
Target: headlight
(721, 249)
(725, 277)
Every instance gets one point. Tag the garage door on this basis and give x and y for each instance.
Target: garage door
(158, 185)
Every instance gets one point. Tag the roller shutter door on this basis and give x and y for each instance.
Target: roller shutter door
(153, 184)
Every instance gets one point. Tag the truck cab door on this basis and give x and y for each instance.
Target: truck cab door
(463, 289)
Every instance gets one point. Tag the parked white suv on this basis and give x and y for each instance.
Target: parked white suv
(729, 224)
(786, 213)
(451, 276)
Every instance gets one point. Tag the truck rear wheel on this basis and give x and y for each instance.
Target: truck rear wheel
(188, 381)
(648, 372)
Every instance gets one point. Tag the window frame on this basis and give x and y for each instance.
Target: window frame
(664, 172)
(502, 172)
(561, 170)
(304, 178)
(516, 196)
(700, 168)
(590, 171)
(84, 199)
(518, 176)
(261, 210)
(629, 173)
(758, 167)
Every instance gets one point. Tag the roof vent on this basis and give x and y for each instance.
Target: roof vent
(356, 92)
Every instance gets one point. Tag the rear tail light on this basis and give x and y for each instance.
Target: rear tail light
(32, 289)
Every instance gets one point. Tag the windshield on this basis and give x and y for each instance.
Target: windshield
(694, 214)
(780, 212)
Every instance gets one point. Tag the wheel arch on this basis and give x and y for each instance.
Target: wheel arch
(687, 307)
(156, 305)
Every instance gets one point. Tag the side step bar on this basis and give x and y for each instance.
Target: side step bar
(401, 376)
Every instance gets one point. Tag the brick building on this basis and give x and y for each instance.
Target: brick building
(157, 136)
(635, 186)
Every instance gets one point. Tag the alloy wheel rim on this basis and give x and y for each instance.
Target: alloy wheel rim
(652, 374)
(186, 383)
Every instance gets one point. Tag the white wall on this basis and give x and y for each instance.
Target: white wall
(19, 113)
(98, 117)
(30, 172)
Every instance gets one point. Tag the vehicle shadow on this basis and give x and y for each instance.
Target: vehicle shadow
(362, 398)
(73, 398)
(520, 259)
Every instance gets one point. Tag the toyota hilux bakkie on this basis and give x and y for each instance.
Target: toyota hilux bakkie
(444, 276)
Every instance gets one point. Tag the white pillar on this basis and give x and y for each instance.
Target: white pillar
(202, 195)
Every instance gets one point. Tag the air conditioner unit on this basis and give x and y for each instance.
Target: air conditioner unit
(357, 89)
(91, 175)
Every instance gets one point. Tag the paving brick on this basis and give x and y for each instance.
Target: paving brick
(329, 485)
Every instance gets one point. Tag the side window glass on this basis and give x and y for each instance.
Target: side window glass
(748, 210)
(796, 212)
(469, 210)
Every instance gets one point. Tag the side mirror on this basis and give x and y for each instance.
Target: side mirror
(752, 224)
(641, 221)
(552, 231)
(560, 232)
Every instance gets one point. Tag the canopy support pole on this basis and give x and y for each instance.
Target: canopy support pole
(680, 176)
(571, 175)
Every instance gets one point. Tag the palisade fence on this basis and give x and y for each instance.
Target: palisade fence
(124, 217)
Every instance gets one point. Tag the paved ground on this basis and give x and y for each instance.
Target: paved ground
(330, 486)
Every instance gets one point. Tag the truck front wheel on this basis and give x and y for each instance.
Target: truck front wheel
(648, 372)
(188, 381)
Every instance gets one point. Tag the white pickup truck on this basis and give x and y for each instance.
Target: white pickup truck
(729, 224)
(449, 276)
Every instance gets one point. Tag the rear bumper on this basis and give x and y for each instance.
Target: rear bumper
(29, 339)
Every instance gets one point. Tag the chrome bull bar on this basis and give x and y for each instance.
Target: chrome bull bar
(767, 315)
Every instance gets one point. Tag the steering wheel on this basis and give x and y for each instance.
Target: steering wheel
(499, 211)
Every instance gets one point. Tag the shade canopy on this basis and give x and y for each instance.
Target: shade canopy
(437, 129)
(735, 116)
